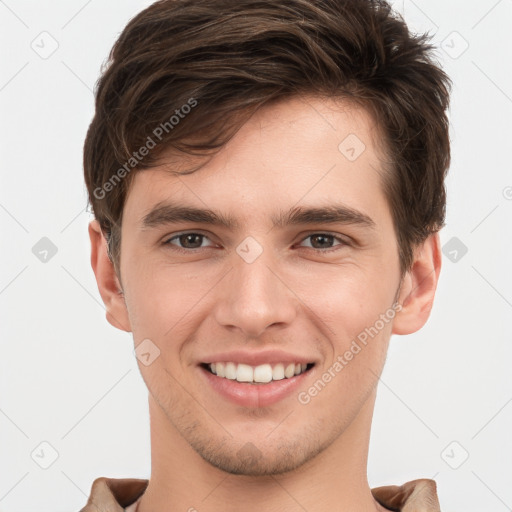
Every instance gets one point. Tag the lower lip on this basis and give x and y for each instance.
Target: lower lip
(255, 395)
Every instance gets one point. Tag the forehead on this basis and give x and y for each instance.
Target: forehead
(299, 151)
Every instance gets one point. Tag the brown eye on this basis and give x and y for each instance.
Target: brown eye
(187, 241)
(323, 242)
(190, 241)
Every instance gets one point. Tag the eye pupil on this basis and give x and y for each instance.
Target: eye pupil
(324, 237)
(184, 239)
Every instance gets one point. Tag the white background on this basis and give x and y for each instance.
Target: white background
(70, 379)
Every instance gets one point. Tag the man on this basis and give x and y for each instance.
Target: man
(267, 180)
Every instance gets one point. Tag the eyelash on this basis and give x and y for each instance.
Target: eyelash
(189, 251)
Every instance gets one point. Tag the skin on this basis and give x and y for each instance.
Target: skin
(293, 297)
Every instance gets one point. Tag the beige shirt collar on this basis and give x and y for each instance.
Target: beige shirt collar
(114, 494)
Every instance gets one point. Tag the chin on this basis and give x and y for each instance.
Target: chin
(262, 466)
(251, 459)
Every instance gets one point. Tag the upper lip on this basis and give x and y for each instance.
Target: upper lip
(257, 358)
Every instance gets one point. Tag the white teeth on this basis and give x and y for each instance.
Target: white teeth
(257, 374)
(244, 373)
(231, 371)
(263, 373)
(220, 369)
(278, 372)
(289, 371)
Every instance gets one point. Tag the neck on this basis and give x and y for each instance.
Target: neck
(333, 480)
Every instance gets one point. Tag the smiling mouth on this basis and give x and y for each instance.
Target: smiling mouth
(261, 374)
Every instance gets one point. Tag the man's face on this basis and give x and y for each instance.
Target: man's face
(290, 292)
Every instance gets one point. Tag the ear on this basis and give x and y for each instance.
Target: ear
(419, 287)
(108, 283)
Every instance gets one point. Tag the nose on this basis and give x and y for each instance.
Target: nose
(253, 297)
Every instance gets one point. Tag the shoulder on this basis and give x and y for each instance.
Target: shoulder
(114, 494)
(417, 495)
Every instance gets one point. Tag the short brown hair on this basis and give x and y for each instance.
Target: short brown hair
(224, 59)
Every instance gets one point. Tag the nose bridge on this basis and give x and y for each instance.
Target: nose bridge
(254, 297)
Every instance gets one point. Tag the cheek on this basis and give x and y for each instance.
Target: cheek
(347, 298)
(154, 295)
(166, 305)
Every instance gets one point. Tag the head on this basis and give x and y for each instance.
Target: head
(264, 113)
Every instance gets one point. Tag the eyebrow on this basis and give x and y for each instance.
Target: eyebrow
(166, 213)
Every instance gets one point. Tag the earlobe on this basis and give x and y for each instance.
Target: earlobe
(418, 287)
(108, 283)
